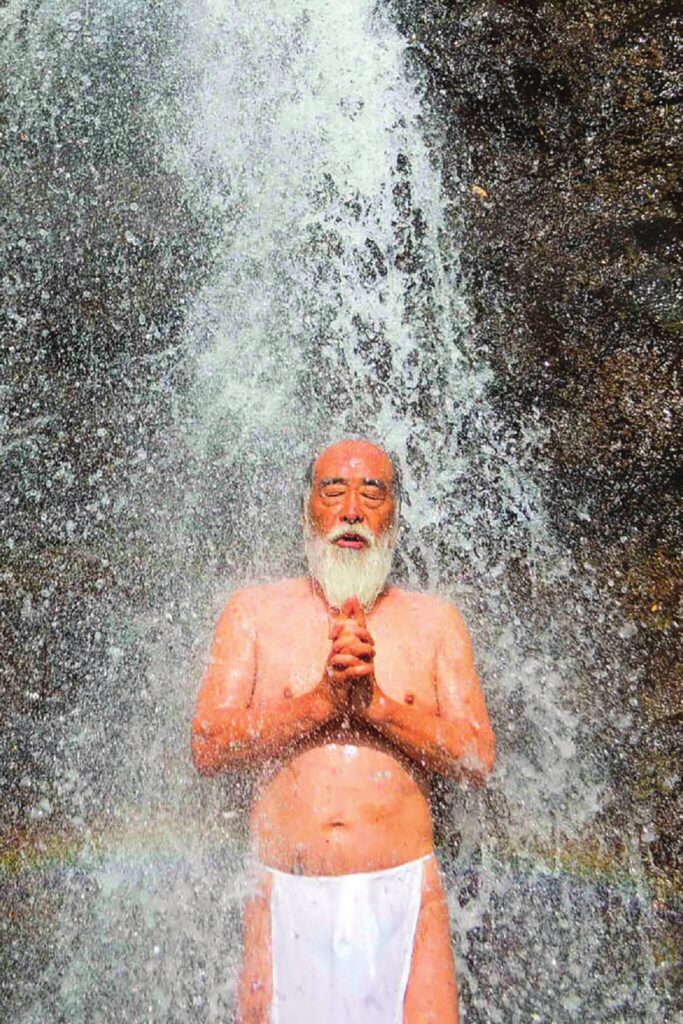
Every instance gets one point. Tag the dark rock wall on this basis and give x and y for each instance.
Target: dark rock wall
(102, 244)
(562, 133)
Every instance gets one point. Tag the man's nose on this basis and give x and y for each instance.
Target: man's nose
(351, 510)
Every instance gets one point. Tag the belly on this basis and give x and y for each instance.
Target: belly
(338, 809)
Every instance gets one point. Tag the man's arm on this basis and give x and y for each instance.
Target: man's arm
(228, 731)
(458, 740)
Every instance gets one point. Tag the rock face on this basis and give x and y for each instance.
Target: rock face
(562, 122)
(97, 258)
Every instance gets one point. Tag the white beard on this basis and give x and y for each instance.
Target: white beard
(348, 572)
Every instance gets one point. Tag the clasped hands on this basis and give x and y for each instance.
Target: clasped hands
(350, 664)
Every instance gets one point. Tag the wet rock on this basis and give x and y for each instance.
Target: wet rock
(566, 117)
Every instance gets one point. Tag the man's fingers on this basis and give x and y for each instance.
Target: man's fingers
(358, 613)
(353, 636)
(364, 634)
(352, 628)
(342, 622)
(343, 661)
(337, 677)
(353, 609)
(354, 646)
(359, 670)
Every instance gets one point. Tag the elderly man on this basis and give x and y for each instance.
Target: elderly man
(345, 694)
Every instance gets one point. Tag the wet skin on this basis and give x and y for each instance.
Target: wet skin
(346, 713)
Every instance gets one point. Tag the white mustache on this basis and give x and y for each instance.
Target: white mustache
(357, 530)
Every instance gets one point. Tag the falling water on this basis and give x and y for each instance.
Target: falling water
(334, 305)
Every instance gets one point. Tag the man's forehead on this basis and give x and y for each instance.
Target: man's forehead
(353, 460)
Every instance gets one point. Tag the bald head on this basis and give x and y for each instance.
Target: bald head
(352, 459)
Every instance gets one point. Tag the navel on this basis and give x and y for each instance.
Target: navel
(409, 698)
(287, 692)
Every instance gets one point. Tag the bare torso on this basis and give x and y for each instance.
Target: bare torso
(338, 809)
(344, 713)
(348, 802)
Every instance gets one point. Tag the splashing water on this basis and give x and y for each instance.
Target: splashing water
(334, 306)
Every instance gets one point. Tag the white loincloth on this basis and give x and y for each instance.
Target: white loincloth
(342, 945)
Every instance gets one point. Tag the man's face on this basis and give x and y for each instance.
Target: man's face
(350, 522)
(352, 488)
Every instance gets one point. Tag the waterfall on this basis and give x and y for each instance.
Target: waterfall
(338, 308)
(333, 305)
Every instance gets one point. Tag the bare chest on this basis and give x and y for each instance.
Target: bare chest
(292, 650)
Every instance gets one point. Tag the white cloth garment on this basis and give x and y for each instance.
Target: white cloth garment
(342, 945)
